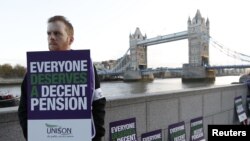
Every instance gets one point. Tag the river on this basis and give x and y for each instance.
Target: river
(118, 88)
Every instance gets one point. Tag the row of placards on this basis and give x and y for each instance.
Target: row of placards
(125, 130)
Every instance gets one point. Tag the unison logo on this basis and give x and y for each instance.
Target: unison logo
(58, 130)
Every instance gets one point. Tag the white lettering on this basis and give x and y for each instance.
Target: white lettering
(42, 104)
(177, 129)
(32, 67)
(59, 66)
(54, 66)
(84, 65)
(122, 127)
(196, 123)
(40, 66)
(47, 67)
(63, 90)
(68, 66)
(215, 132)
(45, 91)
(34, 102)
(153, 137)
(66, 103)
(180, 138)
(127, 138)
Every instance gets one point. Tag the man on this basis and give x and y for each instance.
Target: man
(60, 37)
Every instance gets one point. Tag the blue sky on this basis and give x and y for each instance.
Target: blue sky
(104, 27)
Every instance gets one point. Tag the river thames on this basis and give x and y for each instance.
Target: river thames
(118, 88)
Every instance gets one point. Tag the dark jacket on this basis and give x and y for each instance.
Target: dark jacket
(98, 110)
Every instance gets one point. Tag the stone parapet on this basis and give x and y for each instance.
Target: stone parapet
(155, 110)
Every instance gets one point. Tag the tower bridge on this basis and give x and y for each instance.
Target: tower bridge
(134, 63)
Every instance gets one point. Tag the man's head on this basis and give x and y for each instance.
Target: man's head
(60, 33)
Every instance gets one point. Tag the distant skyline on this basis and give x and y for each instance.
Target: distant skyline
(104, 27)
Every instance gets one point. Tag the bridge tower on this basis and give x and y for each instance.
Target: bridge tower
(138, 53)
(138, 58)
(198, 43)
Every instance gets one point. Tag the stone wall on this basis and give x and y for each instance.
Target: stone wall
(10, 129)
(158, 110)
(155, 110)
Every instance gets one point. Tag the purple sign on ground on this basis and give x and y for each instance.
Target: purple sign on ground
(123, 130)
(196, 129)
(152, 136)
(177, 132)
(59, 94)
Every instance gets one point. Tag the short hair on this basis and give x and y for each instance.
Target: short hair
(69, 27)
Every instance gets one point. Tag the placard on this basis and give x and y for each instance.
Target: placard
(177, 132)
(240, 109)
(248, 104)
(123, 130)
(59, 95)
(155, 135)
(196, 129)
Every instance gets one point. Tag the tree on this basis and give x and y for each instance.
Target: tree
(19, 71)
(6, 71)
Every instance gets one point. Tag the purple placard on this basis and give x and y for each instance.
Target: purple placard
(248, 103)
(240, 109)
(196, 129)
(152, 136)
(177, 131)
(60, 84)
(123, 130)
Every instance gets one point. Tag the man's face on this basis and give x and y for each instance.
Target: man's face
(58, 39)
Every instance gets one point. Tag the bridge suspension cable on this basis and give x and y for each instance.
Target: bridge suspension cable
(122, 64)
(229, 52)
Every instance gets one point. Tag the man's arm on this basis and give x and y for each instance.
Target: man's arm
(98, 110)
(22, 109)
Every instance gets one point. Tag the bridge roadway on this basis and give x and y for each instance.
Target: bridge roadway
(174, 69)
(165, 38)
(143, 71)
(228, 67)
(155, 110)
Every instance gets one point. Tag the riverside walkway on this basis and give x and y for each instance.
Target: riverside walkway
(11, 81)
